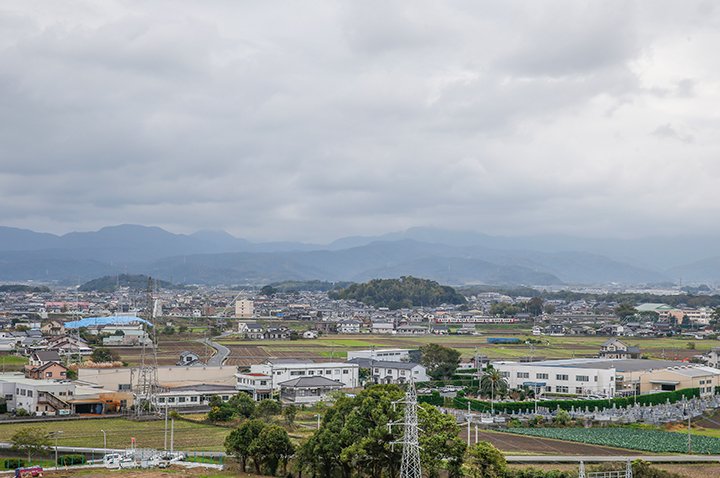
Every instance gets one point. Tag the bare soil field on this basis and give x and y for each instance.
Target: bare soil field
(520, 444)
(168, 352)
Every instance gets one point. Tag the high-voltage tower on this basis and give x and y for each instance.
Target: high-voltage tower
(146, 386)
(410, 465)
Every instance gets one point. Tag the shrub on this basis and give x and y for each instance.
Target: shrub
(12, 463)
(67, 460)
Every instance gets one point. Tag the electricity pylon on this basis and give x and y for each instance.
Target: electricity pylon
(147, 386)
(410, 464)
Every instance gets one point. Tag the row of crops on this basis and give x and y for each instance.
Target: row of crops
(656, 441)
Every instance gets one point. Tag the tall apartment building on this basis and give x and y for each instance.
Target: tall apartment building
(244, 309)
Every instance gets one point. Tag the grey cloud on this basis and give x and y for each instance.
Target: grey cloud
(315, 120)
(668, 131)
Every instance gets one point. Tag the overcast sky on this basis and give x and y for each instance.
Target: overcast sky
(313, 120)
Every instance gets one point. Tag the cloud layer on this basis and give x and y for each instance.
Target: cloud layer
(313, 120)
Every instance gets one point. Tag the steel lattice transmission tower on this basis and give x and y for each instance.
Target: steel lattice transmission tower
(147, 386)
(410, 465)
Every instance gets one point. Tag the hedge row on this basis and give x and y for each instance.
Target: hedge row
(508, 407)
(67, 460)
(433, 399)
(12, 463)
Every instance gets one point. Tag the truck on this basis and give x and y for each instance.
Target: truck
(503, 340)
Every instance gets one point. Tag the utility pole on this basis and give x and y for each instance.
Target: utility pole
(56, 434)
(172, 435)
(166, 426)
(104, 444)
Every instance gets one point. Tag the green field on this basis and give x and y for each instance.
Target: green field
(631, 438)
(550, 347)
(150, 434)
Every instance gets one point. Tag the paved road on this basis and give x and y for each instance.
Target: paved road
(600, 458)
(221, 352)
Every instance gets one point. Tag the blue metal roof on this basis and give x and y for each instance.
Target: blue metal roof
(111, 320)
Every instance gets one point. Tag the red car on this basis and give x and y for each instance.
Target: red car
(29, 472)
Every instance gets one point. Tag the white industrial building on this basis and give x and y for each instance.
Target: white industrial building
(608, 377)
(572, 376)
(388, 355)
(284, 370)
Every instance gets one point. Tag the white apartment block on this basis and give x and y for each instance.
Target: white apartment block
(393, 372)
(244, 309)
(284, 370)
(388, 355)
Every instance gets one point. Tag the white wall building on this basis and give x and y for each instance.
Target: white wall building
(284, 370)
(393, 372)
(571, 376)
(388, 355)
(193, 396)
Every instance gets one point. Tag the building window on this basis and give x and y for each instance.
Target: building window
(161, 399)
(582, 378)
(296, 372)
(171, 399)
(561, 376)
(505, 374)
(193, 399)
(345, 372)
(226, 397)
(523, 375)
(562, 389)
(542, 376)
(181, 399)
(328, 372)
(578, 390)
(48, 374)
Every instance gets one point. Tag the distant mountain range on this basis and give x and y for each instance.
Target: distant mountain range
(449, 257)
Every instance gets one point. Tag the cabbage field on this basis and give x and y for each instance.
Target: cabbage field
(656, 441)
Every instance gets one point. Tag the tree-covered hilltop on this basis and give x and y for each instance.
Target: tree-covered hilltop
(307, 286)
(400, 293)
(136, 282)
(23, 288)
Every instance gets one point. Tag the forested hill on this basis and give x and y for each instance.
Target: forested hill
(400, 293)
(137, 282)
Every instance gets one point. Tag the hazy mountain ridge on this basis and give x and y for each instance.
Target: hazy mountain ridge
(452, 257)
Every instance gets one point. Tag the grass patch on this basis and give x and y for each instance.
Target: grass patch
(151, 434)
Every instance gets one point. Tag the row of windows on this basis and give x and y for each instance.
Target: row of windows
(297, 373)
(545, 376)
(192, 399)
(389, 371)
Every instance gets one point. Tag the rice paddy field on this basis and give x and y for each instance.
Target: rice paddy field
(247, 352)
